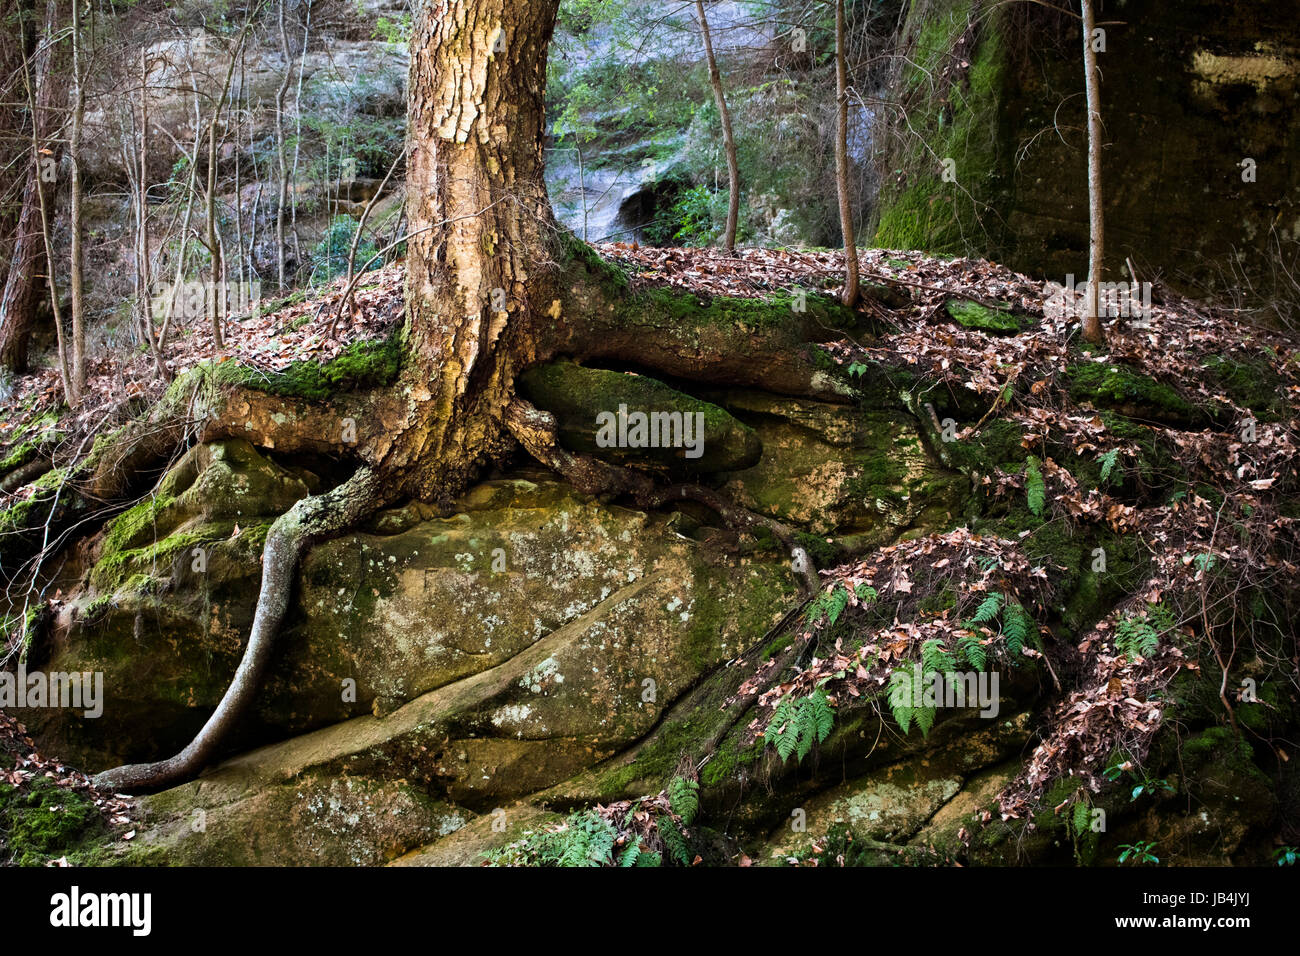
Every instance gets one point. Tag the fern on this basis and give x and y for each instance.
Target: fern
(823, 717)
(628, 858)
(988, 609)
(925, 719)
(828, 604)
(674, 841)
(1035, 487)
(935, 657)
(900, 696)
(684, 798)
(866, 593)
(1108, 462)
(973, 651)
(1081, 817)
(1018, 629)
(1135, 636)
(798, 724)
(584, 839)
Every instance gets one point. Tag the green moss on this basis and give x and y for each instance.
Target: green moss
(972, 315)
(958, 120)
(1251, 383)
(137, 522)
(1119, 387)
(687, 310)
(997, 444)
(606, 274)
(361, 365)
(41, 821)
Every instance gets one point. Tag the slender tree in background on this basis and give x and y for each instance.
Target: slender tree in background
(850, 296)
(728, 136)
(1092, 330)
(77, 349)
(282, 160)
(21, 293)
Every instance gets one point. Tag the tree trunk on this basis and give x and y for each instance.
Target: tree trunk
(480, 269)
(850, 295)
(1092, 330)
(77, 346)
(22, 289)
(728, 137)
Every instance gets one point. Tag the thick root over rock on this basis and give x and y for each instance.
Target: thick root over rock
(310, 520)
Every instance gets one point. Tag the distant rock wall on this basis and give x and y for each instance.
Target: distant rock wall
(1191, 90)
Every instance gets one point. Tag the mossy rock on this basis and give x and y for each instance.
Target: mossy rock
(973, 315)
(585, 399)
(310, 820)
(366, 364)
(1251, 382)
(1129, 392)
(40, 821)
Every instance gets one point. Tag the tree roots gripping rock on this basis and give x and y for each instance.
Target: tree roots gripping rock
(310, 520)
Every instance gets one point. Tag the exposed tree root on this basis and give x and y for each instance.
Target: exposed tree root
(308, 521)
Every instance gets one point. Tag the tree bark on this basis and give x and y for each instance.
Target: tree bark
(480, 259)
(1092, 330)
(850, 295)
(728, 136)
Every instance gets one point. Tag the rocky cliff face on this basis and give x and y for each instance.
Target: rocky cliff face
(1200, 108)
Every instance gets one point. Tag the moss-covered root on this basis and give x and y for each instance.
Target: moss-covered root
(310, 520)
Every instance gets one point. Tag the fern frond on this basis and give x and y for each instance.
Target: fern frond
(674, 841)
(823, 716)
(900, 696)
(1108, 462)
(1017, 626)
(1035, 487)
(684, 798)
(973, 651)
(925, 719)
(988, 609)
(935, 657)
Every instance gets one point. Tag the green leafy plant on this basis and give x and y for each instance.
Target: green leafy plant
(1139, 852)
(1035, 487)
(1138, 635)
(902, 694)
(1108, 461)
(1286, 855)
(798, 723)
(585, 839)
(684, 798)
(1142, 783)
(831, 604)
(1016, 627)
